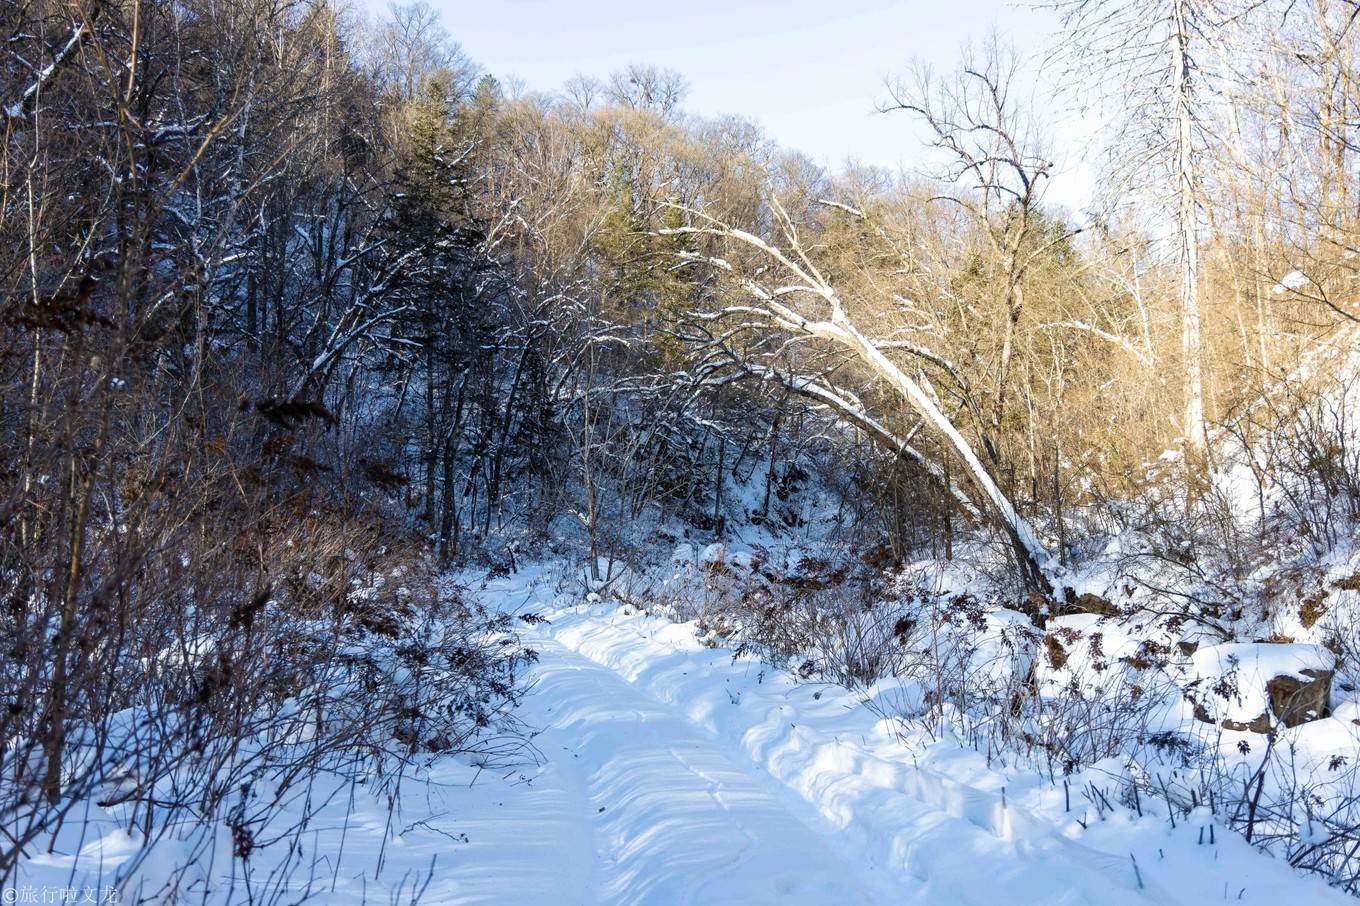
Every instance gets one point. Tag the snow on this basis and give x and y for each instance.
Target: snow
(664, 813)
(670, 772)
(1234, 676)
(895, 695)
(1347, 711)
(1291, 280)
(1090, 649)
(714, 554)
(667, 735)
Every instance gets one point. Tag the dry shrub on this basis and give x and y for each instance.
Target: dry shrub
(201, 617)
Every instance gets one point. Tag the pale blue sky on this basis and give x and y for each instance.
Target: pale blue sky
(808, 71)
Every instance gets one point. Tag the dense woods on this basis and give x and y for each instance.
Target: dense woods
(301, 311)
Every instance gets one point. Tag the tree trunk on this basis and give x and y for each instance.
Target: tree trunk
(1196, 439)
(1032, 558)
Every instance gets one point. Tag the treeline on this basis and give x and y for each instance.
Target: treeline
(472, 310)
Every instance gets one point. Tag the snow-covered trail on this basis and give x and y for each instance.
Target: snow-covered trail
(680, 774)
(670, 817)
(681, 814)
(673, 773)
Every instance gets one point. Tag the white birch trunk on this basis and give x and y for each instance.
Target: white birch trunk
(1037, 567)
(1035, 562)
(1196, 439)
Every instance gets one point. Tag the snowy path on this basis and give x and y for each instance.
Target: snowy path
(694, 824)
(677, 774)
(673, 819)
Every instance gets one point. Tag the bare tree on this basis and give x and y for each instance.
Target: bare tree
(997, 169)
(647, 88)
(412, 45)
(1147, 59)
(791, 295)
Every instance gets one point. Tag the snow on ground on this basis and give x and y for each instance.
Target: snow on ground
(806, 768)
(671, 773)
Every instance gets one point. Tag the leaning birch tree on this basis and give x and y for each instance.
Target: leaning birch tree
(786, 292)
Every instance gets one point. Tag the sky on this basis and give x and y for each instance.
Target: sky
(810, 72)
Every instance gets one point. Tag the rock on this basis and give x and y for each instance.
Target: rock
(1089, 603)
(1250, 687)
(1296, 701)
(1260, 724)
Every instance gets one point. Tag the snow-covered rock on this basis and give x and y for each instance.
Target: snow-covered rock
(1250, 685)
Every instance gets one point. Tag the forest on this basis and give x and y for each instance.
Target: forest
(350, 388)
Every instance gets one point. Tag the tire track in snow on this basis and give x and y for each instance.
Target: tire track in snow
(956, 840)
(674, 818)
